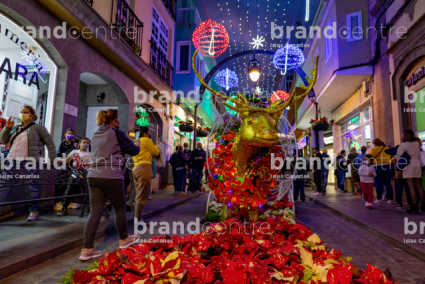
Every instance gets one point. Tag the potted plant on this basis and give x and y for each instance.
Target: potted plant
(202, 132)
(321, 124)
(186, 126)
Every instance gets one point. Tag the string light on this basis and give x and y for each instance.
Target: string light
(288, 57)
(227, 79)
(307, 10)
(210, 38)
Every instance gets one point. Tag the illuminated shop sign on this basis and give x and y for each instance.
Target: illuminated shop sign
(328, 140)
(415, 78)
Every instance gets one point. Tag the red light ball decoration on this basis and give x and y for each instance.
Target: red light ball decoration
(210, 38)
(279, 95)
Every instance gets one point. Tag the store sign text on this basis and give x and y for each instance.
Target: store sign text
(415, 77)
(20, 70)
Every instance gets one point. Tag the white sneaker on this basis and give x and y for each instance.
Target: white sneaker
(378, 201)
(390, 202)
(33, 216)
(86, 255)
(366, 204)
(317, 193)
(58, 206)
(130, 240)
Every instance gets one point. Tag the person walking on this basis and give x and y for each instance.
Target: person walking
(27, 140)
(355, 179)
(128, 173)
(367, 173)
(143, 171)
(342, 169)
(173, 161)
(64, 148)
(413, 172)
(106, 180)
(187, 152)
(181, 167)
(300, 172)
(81, 161)
(197, 159)
(382, 164)
(325, 168)
(317, 168)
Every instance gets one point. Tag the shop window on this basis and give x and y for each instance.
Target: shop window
(366, 114)
(183, 57)
(355, 26)
(27, 75)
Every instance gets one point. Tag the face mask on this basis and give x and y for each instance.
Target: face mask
(84, 146)
(199, 149)
(70, 137)
(24, 117)
(367, 162)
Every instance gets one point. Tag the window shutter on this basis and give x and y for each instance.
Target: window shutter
(355, 26)
(328, 44)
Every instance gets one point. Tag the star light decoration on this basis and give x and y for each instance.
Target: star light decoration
(210, 38)
(279, 95)
(227, 79)
(258, 91)
(257, 42)
(288, 57)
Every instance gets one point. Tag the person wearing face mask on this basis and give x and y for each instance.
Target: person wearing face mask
(26, 140)
(188, 172)
(342, 169)
(81, 160)
(66, 145)
(197, 159)
(367, 173)
(106, 180)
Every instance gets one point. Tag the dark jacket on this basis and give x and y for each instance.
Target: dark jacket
(38, 137)
(64, 147)
(178, 160)
(341, 163)
(327, 162)
(187, 153)
(198, 164)
(351, 158)
(316, 164)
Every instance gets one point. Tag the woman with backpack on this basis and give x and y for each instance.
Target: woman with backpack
(106, 180)
(382, 164)
(409, 150)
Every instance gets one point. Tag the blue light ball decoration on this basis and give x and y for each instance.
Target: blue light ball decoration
(227, 79)
(295, 57)
(231, 111)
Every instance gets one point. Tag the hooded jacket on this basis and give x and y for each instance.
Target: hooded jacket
(38, 137)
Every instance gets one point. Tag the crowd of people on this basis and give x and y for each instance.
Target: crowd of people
(381, 168)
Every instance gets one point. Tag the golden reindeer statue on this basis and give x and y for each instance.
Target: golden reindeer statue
(259, 125)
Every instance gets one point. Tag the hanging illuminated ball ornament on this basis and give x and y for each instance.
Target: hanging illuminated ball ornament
(227, 79)
(288, 57)
(279, 95)
(210, 38)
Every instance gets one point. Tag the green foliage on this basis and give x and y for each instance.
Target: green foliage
(212, 216)
(68, 278)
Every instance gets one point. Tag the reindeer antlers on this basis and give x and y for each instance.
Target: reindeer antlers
(243, 105)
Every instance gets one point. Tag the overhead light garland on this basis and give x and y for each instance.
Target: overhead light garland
(257, 42)
(227, 79)
(210, 38)
(288, 57)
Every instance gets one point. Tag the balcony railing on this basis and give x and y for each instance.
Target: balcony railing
(128, 26)
(160, 64)
(171, 7)
(89, 2)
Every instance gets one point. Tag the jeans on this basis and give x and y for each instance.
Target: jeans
(325, 176)
(341, 179)
(383, 178)
(128, 179)
(299, 189)
(100, 189)
(196, 175)
(181, 174)
(175, 179)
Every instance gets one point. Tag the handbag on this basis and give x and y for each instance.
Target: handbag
(403, 161)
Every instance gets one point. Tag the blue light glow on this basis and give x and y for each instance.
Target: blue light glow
(288, 57)
(227, 79)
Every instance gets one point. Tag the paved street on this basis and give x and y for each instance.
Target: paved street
(337, 232)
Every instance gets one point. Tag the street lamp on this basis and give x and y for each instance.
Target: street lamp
(254, 69)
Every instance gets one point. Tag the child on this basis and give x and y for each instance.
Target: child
(367, 173)
(81, 162)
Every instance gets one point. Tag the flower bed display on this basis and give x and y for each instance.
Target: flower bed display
(276, 250)
(186, 126)
(320, 124)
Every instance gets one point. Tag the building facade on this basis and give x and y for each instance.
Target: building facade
(70, 58)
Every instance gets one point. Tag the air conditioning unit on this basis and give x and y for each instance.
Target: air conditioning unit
(366, 87)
